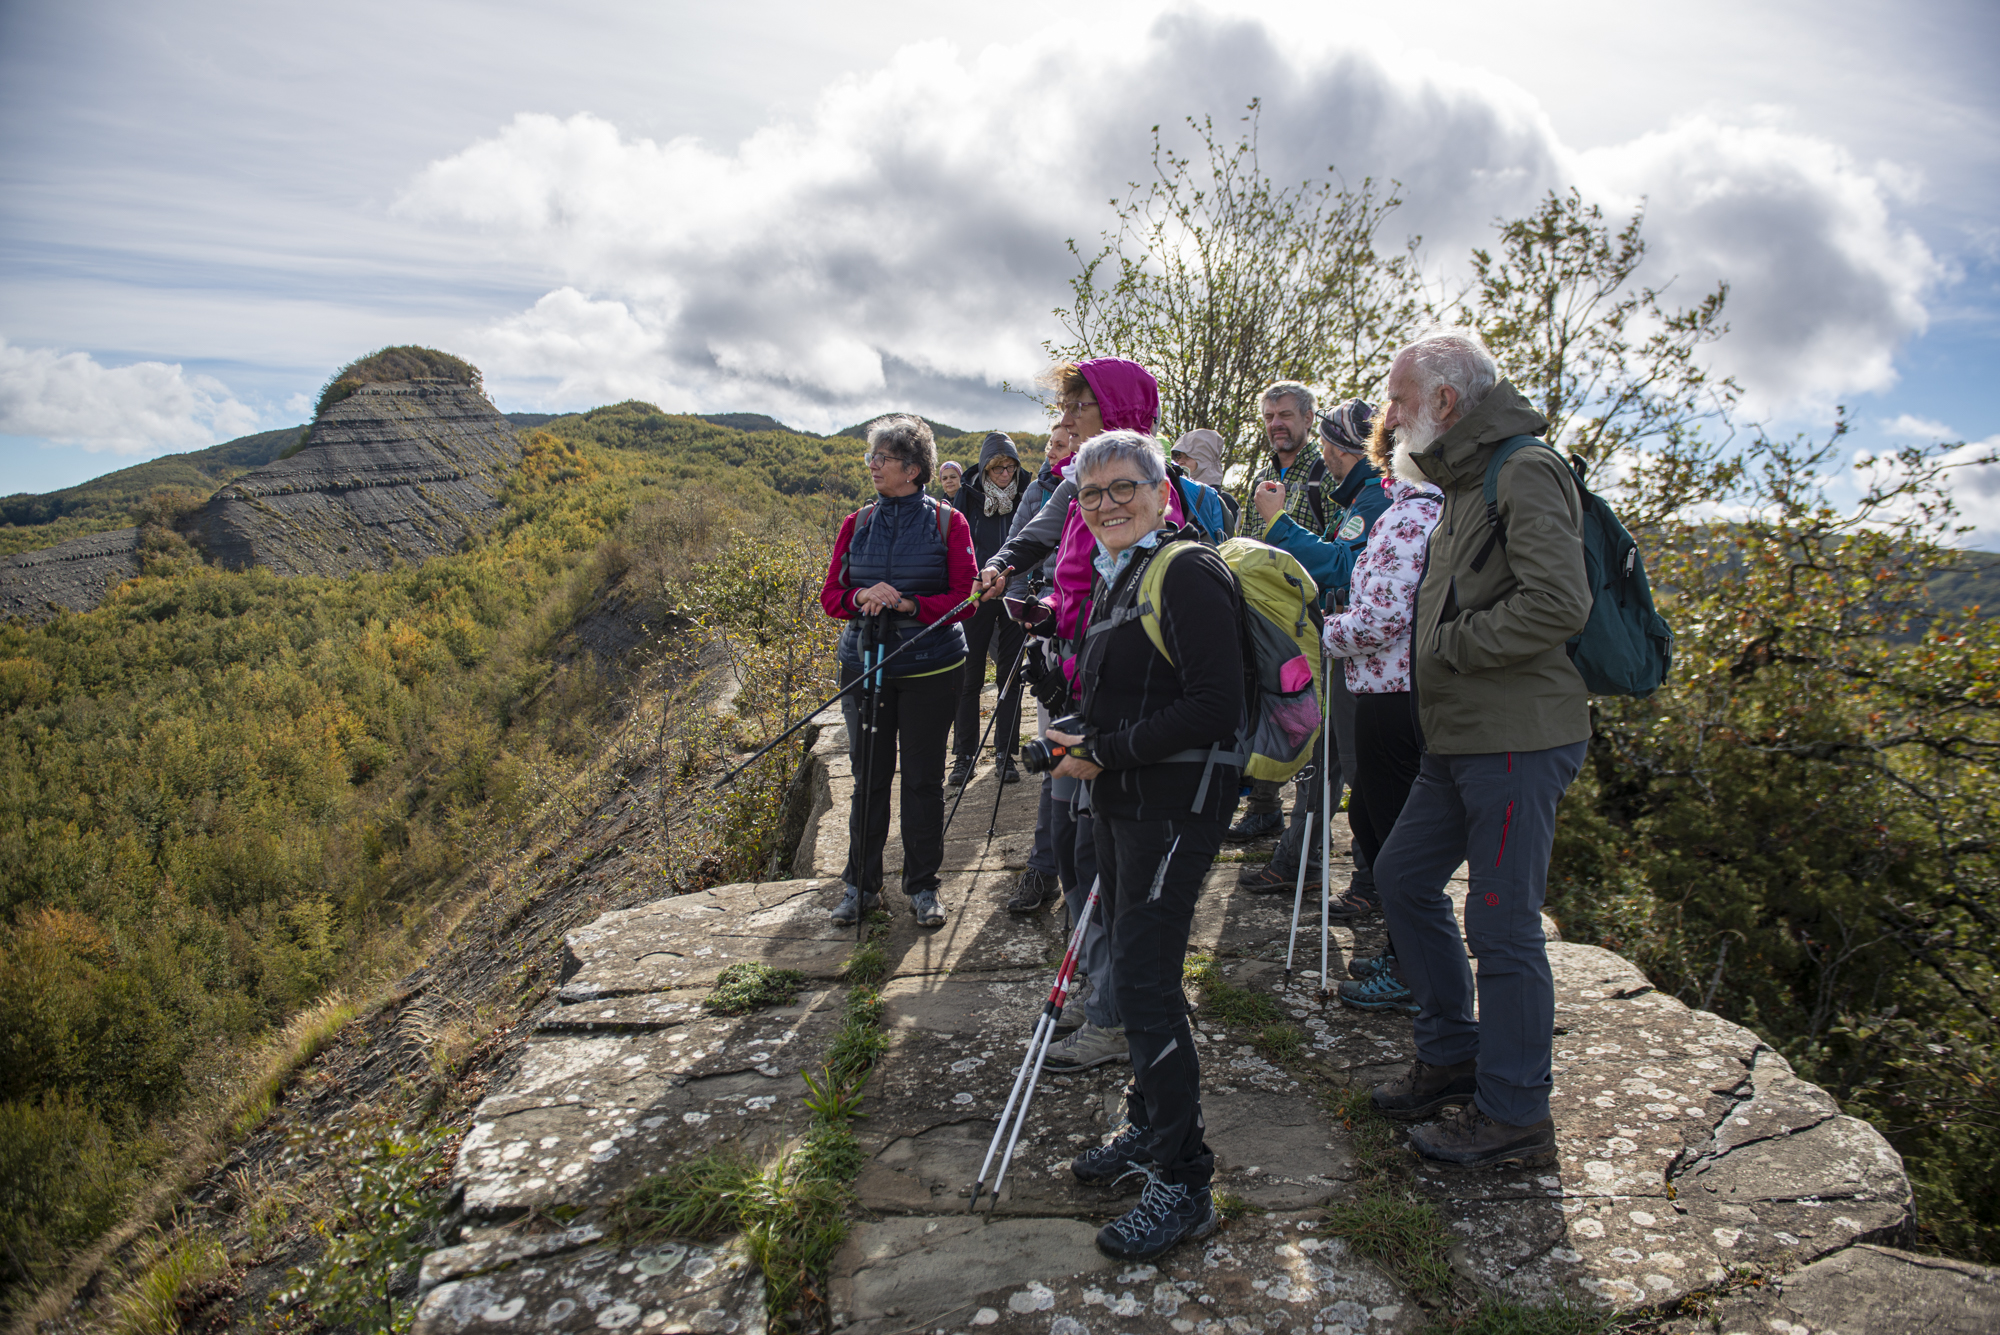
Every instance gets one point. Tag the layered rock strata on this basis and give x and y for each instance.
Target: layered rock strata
(1689, 1154)
(71, 576)
(401, 471)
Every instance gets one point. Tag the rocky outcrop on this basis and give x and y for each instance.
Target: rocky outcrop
(401, 471)
(1691, 1158)
(71, 575)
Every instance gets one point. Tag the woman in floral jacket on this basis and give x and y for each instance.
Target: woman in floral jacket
(1373, 636)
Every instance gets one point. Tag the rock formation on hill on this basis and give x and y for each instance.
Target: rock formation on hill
(400, 471)
(72, 575)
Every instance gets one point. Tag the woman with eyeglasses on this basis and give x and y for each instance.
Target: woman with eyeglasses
(987, 502)
(905, 557)
(1149, 720)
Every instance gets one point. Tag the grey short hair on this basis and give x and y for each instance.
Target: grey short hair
(900, 433)
(1301, 397)
(1142, 452)
(1456, 357)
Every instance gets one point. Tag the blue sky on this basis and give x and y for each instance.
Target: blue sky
(821, 212)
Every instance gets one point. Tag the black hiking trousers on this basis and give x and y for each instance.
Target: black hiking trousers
(914, 719)
(1150, 874)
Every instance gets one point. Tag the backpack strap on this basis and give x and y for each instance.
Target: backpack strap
(1316, 493)
(1491, 494)
(943, 512)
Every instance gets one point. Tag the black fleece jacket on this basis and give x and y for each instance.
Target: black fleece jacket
(1144, 708)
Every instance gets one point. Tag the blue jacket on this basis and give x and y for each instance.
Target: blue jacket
(1357, 503)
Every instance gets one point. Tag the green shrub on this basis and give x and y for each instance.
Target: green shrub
(63, 1177)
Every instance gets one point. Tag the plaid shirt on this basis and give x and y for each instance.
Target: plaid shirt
(1301, 487)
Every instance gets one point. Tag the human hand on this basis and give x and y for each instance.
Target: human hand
(1269, 500)
(993, 579)
(879, 598)
(1072, 767)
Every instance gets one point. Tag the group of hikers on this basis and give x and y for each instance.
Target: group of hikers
(1107, 580)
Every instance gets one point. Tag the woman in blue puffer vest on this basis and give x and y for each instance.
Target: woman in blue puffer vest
(906, 557)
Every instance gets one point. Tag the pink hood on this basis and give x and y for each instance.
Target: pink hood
(1128, 398)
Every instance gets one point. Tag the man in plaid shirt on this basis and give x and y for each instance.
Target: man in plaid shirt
(1290, 426)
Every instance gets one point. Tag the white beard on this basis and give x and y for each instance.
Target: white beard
(1413, 438)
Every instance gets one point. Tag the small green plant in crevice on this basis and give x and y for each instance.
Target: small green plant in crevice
(1226, 1001)
(742, 988)
(1234, 1207)
(1284, 1044)
(793, 1213)
(1502, 1318)
(869, 964)
(1401, 1232)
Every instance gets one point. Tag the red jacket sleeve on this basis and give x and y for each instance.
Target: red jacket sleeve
(961, 569)
(834, 595)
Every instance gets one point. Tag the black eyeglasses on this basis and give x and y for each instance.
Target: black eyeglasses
(1121, 492)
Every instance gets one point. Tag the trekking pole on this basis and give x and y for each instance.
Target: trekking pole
(1012, 687)
(1326, 825)
(841, 694)
(866, 716)
(1298, 897)
(1012, 671)
(1038, 1049)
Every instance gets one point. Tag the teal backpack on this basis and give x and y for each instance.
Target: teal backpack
(1626, 648)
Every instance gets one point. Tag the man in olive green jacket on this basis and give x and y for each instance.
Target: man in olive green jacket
(1505, 719)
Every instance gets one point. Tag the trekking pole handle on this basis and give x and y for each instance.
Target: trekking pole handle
(842, 693)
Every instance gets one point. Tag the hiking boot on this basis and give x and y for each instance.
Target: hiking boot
(924, 907)
(1468, 1138)
(1107, 1163)
(1089, 1046)
(961, 771)
(1427, 1088)
(1255, 825)
(1269, 879)
(1367, 968)
(1009, 771)
(1350, 907)
(1168, 1214)
(1380, 991)
(1033, 890)
(853, 904)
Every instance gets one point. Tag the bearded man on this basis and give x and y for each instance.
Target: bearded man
(1505, 719)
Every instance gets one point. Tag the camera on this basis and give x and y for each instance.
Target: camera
(1042, 755)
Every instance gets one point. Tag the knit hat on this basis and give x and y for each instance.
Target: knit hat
(1346, 426)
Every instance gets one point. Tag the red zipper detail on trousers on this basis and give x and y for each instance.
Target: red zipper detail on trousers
(1505, 821)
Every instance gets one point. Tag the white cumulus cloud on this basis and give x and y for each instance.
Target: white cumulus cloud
(143, 408)
(903, 243)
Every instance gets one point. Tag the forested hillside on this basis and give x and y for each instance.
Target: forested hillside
(224, 796)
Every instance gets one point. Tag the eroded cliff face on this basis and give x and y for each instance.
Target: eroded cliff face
(72, 575)
(401, 471)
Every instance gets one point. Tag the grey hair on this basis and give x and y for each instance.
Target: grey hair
(909, 437)
(1456, 357)
(1142, 452)
(1301, 397)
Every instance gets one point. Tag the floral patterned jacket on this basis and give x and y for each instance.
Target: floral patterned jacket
(1373, 634)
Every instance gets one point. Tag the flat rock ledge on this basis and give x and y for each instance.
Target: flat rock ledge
(1689, 1153)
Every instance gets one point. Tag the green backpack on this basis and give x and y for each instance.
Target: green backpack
(1627, 647)
(1280, 652)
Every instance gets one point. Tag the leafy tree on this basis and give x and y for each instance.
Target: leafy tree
(1615, 370)
(1220, 281)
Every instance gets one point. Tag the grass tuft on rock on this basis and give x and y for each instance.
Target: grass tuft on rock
(1226, 1001)
(742, 988)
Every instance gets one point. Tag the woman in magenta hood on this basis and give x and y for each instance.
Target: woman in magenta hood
(1115, 395)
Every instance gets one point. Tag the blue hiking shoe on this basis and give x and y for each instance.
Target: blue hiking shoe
(1255, 825)
(1168, 1214)
(1378, 993)
(1366, 967)
(924, 907)
(851, 906)
(1107, 1163)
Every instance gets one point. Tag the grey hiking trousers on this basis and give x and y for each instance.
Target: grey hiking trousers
(1496, 813)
